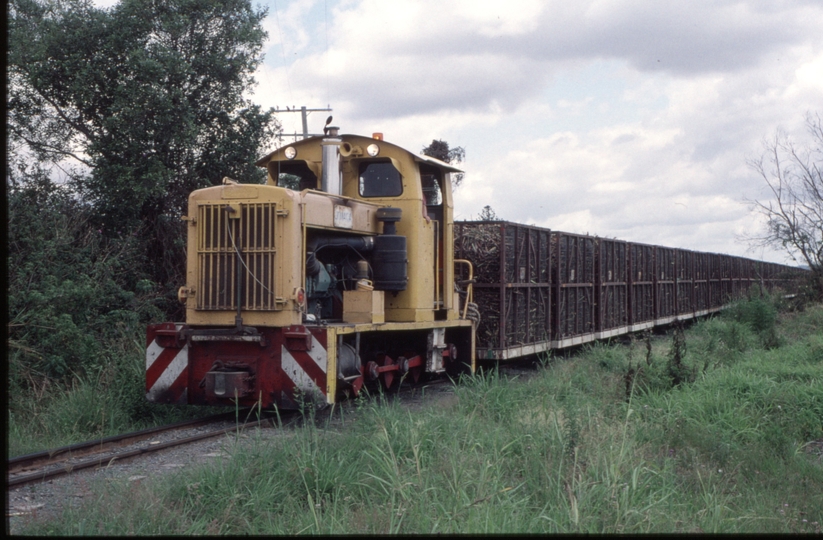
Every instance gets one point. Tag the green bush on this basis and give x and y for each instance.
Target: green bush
(78, 305)
(760, 315)
(70, 289)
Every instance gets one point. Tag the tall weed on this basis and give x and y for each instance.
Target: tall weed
(563, 451)
(760, 315)
(103, 401)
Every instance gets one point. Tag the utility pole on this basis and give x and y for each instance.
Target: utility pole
(304, 114)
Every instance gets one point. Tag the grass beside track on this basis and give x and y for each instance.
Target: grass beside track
(45, 414)
(717, 430)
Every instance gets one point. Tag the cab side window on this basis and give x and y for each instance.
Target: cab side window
(294, 175)
(380, 179)
(430, 182)
(431, 188)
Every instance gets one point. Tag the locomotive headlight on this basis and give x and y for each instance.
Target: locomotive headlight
(373, 149)
(290, 152)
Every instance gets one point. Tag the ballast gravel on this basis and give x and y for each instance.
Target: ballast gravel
(45, 501)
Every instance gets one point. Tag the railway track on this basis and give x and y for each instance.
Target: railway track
(42, 466)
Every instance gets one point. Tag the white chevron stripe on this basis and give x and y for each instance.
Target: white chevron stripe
(300, 378)
(318, 354)
(170, 374)
(153, 350)
(152, 353)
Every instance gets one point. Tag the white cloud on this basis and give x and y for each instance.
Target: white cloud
(495, 19)
(622, 118)
(285, 25)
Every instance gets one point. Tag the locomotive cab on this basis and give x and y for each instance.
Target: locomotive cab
(376, 172)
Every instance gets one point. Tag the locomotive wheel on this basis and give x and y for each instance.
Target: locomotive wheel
(413, 366)
(357, 384)
(371, 370)
(382, 369)
(387, 375)
(450, 353)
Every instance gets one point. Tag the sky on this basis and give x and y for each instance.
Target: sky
(629, 119)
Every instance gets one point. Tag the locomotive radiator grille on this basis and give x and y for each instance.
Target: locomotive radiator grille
(221, 233)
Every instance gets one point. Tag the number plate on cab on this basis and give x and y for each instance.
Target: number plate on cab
(342, 217)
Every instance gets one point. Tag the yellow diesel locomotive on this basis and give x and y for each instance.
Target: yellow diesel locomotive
(338, 272)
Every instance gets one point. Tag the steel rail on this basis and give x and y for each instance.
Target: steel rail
(47, 458)
(79, 449)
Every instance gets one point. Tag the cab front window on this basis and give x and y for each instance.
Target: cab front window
(294, 175)
(380, 179)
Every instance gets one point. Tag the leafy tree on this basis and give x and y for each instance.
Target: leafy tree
(137, 105)
(439, 149)
(794, 211)
(487, 214)
(71, 289)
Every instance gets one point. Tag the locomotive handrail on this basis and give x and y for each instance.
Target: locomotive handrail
(469, 286)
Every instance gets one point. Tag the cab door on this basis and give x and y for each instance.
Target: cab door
(431, 180)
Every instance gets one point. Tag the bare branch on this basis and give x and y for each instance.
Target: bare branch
(47, 148)
(794, 209)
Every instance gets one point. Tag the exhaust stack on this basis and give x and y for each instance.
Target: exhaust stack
(330, 179)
